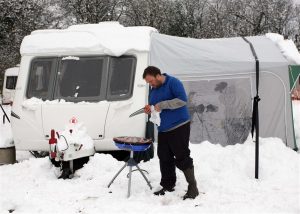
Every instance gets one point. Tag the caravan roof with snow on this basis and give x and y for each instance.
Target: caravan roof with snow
(109, 38)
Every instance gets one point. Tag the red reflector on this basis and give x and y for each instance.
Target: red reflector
(53, 154)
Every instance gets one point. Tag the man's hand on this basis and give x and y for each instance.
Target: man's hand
(147, 109)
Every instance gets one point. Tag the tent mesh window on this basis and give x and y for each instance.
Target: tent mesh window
(220, 110)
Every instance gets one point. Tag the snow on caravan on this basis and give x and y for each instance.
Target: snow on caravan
(91, 73)
(9, 84)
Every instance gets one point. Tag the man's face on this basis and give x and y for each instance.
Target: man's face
(154, 81)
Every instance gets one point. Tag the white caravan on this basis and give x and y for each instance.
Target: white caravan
(88, 73)
(9, 84)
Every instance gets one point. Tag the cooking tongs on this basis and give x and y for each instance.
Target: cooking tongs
(140, 111)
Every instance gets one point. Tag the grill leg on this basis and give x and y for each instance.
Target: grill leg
(72, 166)
(131, 163)
(129, 181)
(137, 166)
(116, 175)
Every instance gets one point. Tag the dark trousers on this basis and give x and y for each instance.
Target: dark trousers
(173, 150)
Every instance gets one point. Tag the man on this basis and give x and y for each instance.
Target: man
(168, 97)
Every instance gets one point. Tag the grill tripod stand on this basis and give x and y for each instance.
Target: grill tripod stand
(130, 163)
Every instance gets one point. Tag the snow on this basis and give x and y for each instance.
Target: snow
(70, 58)
(33, 103)
(78, 135)
(225, 177)
(287, 47)
(72, 143)
(12, 71)
(109, 38)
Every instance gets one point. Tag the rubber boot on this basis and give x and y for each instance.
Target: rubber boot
(192, 191)
(163, 191)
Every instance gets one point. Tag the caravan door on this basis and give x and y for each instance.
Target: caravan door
(79, 91)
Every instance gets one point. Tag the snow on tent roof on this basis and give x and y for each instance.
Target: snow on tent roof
(12, 71)
(109, 38)
(286, 46)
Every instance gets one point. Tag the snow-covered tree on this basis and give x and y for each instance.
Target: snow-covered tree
(94, 11)
(281, 12)
(219, 21)
(297, 27)
(17, 19)
(147, 13)
(188, 18)
(255, 17)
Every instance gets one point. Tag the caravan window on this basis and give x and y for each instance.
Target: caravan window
(81, 79)
(121, 77)
(40, 73)
(11, 82)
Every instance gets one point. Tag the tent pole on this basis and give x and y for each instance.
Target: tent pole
(255, 114)
(5, 115)
(257, 145)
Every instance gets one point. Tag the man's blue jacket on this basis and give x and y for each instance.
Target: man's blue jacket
(171, 88)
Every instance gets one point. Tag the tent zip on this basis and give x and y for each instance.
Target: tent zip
(255, 114)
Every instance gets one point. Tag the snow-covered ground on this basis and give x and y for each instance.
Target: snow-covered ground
(225, 177)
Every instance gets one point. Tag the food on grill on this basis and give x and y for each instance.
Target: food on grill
(132, 140)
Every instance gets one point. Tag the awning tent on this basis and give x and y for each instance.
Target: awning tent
(219, 77)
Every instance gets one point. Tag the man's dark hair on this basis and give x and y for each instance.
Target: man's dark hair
(151, 70)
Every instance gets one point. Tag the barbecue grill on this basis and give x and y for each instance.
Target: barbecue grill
(132, 144)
